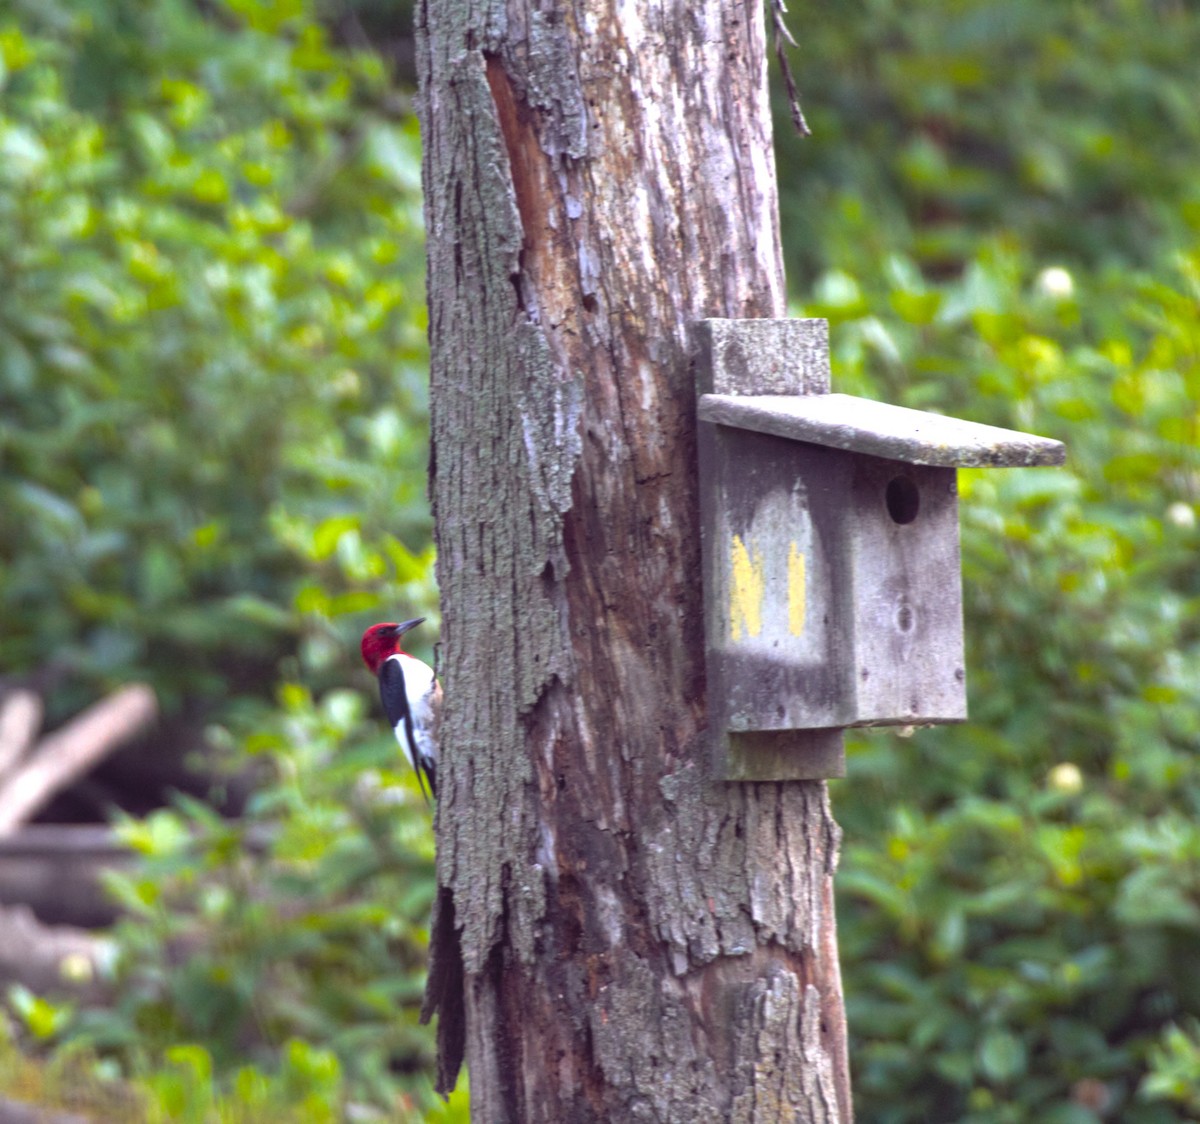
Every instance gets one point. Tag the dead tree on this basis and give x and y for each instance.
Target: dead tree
(619, 935)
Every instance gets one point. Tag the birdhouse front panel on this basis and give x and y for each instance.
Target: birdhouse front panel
(775, 680)
(775, 539)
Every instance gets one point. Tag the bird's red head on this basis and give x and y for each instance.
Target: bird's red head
(383, 640)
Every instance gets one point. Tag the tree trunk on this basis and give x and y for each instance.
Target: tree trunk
(627, 937)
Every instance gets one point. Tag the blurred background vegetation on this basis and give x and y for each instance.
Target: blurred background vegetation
(999, 214)
(212, 474)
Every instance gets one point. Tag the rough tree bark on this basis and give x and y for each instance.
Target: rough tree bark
(628, 938)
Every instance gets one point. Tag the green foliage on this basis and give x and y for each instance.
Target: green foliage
(70, 1081)
(211, 342)
(306, 1088)
(302, 922)
(212, 472)
(998, 217)
(1174, 1064)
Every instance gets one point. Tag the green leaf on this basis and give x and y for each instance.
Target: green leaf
(1002, 1056)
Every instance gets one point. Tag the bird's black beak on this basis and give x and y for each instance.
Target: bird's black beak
(403, 627)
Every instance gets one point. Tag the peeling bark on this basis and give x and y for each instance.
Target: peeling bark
(618, 935)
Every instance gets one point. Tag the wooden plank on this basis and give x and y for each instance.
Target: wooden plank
(57, 869)
(69, 752)
(20, 721)
(756, 690)
(862, 425)
(902, 596)
(59, 875)
(39, 840)
(785, 755)
(777, 559)
(762, 356)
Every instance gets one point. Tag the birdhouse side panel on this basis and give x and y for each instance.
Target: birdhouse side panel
(904, 596)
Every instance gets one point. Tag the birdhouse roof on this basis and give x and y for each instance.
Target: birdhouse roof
(862, 425)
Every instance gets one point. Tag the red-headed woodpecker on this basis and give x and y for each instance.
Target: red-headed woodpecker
(412, 697)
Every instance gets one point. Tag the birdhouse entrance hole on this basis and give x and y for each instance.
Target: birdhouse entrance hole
(903, 499)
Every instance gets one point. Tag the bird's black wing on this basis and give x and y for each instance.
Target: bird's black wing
(394, 695)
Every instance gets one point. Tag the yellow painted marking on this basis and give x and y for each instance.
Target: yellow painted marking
(746, 591)
(797, 591)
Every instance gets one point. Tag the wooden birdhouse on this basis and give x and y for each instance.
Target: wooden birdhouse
(832, 583)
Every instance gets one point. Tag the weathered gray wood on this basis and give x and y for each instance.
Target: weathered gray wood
(862, 425)
(778, 755)
(632, 939)
(823, 611)
(72, 750)
(831, 560)
(772, 661)
(20, 721)
(57, 869)
(767, 356)
(764, 704)
(900, 596)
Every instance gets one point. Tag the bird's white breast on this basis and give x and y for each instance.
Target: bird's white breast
(420, 688)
